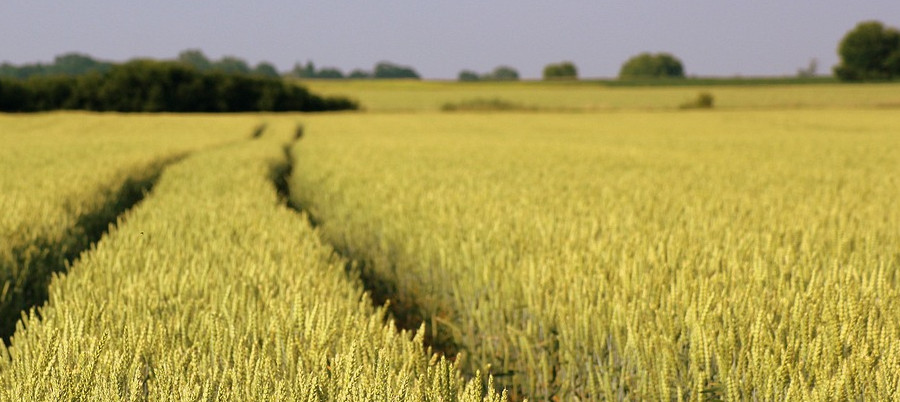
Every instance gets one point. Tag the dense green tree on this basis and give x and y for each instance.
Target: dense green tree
(505, 73)
(501, 73)
(85, 94)
(304, 71)
(137, 86)
(309, 71)
(330, 73)
(8, 70)
(389, 70)
(47, 92)
(153, 86)
(13, 95)
(359, 74)
(648, 65)
(468, 75)
(34, 70)
(870, 51)
(66, 64)
(76, 64)
(266, 69)
(231, 64)
(195, 58)
(564, 70)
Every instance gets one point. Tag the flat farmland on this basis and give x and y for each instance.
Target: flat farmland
(66, 176)
(209, 288)
(636, 255)
(587, 96)
(626, 251)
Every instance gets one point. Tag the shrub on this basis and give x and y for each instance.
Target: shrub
(390, 70)
(266, 69)
(330, 73)
(564, 70)
(359, 74)
(231, 64)
(195, 58)
(504, 73)
(647, 65)
(483, 105)
(468, 75)
(501, 73)
(704, 100)
(65, 64)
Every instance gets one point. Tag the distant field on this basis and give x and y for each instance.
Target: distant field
(400, 96)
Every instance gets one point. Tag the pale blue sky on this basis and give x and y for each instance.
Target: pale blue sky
(439, 38)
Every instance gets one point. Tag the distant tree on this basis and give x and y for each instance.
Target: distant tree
(389, 70)
(359, 74)
(870, 51)
(330, 73)
(48, 92)
(309, 71)
(195, 58)
(647, 65)
(231, 65)
(810, 70)
(266, 69)
(501, 73)
(85, 93)
(506, 73)
(468, 75)
(76, 64)
(67, 64)
(153, 86)
(13, 95)
(564, 70)
(9, 71)
(304, 71)
(34, 70)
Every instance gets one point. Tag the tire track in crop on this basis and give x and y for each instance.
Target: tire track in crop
(406, 312)
(32, 265)
(35, 263)
(258, 131)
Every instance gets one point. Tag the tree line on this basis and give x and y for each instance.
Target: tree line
(78, 64)
(644, 65)
(870, 51)
(161, 86)
(66, 64)
(382, 70)
(501, 73)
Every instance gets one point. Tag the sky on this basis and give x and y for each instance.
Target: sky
(441, 38)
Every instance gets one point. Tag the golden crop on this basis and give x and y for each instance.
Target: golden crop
(632, 255)
(587, 96)
(64, 175)
(644, 253)
(213, 290)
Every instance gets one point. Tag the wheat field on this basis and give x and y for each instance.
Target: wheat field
(641, 256)
(629, 251)
(587, 96)
(213, 290)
